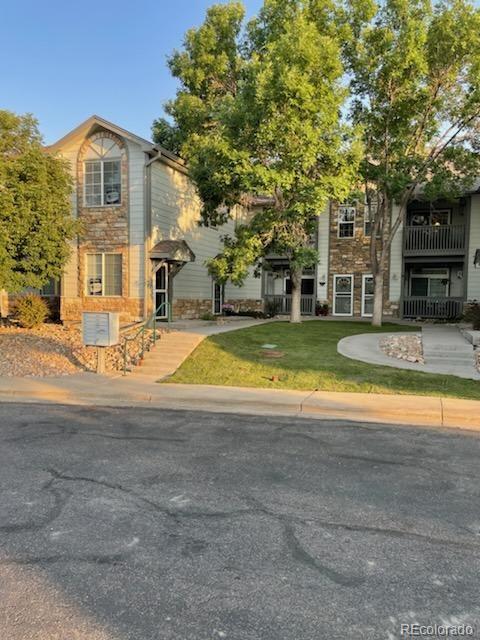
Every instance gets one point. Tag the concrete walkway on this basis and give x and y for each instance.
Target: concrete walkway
(174, 347)
(442, 343)
(91, 389)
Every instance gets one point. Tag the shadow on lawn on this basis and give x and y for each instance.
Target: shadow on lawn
(310, 362)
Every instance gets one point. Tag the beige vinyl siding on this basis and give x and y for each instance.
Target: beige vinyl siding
(473, 281)
(69, 287)
(250, 290)
(175, 215)
(396, 261)
(323, 250)
(136, 164)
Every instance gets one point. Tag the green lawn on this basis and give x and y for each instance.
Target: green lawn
(310, 362)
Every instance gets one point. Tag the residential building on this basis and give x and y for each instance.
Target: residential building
(142, 246)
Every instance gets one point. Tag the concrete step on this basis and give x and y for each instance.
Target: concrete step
(450, 362)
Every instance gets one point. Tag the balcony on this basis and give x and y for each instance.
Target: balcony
(444, 240)
(284, 304)
(434, 308)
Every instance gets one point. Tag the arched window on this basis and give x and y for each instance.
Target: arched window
(102, 171)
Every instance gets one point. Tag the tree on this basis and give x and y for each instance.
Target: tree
(36, 222)
(258, 112)
(415, 85)
(166, 135)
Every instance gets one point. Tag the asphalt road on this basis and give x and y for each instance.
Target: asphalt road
(139, 524)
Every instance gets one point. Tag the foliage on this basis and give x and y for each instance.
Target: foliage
(472, 314)
(321, 309)
(208, 316)
(166, 135)
(311, 361)
(415, 81)
(258, 112)
(30, 310)
(272, 308)
(36, 223)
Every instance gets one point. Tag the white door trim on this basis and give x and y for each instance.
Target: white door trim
(364, 277)
(159, 266)
(214, 311)
(335, 278)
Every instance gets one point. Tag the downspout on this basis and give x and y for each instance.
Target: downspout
(147, 295)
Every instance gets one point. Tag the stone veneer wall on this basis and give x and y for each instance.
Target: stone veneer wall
(190, 308)
(352, 256)
(105, 230)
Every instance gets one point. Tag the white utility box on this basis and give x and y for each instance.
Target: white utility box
(100, 329)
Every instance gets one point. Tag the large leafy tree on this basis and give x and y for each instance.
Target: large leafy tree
(415, 82)
(36, 222)
(258, 112)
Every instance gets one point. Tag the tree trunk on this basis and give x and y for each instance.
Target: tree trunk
(378, 280)
(3, 304)
(295, 310)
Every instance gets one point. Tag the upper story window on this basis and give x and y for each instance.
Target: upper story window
(103, 176)
(346, 221)
(371, 212)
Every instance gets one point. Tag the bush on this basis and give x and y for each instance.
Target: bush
(30, 310)
(472, 314)
(208, 316)
(321, 309)
(252, 313)
(272, 308)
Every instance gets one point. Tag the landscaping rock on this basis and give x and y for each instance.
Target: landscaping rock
(407, 347)
(57, 350)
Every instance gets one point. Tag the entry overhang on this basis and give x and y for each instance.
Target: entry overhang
(172, 251)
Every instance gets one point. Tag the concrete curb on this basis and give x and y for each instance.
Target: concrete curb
(356, 407)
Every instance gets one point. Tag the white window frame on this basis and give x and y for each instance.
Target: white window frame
(336, 276)
(215, 284)
(371, 295)
(107, 253)
(102, 184)
(351, 223)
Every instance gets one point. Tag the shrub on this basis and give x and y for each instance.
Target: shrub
(208, 316)
(252, 313)
(272, 308)
(321, 309)
(472, 314)
(30, 310)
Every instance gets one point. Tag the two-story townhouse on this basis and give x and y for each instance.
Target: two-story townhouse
(141, 244)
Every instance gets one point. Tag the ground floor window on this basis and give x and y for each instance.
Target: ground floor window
(430, 282)
(51, 289)
(343, 295)
(368, 288)
(104, 274)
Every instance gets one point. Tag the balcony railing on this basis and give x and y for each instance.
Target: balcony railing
(434, 240)
(284, 304)
(435, 308)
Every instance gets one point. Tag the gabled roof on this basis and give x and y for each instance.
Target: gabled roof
(97, 122)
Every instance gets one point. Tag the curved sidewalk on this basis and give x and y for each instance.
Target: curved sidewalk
(366, 348)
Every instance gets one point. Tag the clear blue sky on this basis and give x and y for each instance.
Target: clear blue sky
(64, 60)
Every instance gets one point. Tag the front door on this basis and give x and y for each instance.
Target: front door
(217, 298)
(343, 295)
(160, 294)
